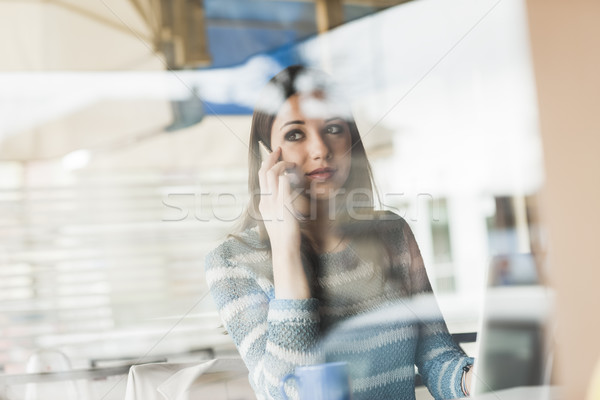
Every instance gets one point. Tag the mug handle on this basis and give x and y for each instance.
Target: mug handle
(282, 385)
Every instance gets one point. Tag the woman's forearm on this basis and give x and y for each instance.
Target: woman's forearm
(289, 276)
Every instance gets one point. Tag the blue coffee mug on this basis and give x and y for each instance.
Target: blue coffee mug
(327, 381)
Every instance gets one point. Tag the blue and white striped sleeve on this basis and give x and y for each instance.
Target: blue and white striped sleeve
(440, 361)
(273, 336)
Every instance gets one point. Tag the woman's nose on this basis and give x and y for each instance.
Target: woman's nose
(318, 148)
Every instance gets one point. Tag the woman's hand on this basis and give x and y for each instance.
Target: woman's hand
(275, 202)
(277, 210)
(469, 379)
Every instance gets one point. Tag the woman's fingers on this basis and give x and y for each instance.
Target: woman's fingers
(275, 172)
(272, 158)
(275, 186)
(262, 180)
(265, 166)
(268, 175)
(285, 190)
(275, 204)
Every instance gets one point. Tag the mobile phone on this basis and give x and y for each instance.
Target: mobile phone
(264, 150)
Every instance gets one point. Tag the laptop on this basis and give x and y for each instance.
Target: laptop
(513, 337)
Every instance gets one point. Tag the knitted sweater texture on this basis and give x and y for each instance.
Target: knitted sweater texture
(381, 321)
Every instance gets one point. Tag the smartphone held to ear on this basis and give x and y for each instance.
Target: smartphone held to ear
(264, 154)
(264, 150)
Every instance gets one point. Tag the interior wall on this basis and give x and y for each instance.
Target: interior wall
(565, 40)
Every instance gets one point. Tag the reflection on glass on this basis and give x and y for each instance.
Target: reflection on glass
(317, 273)
(50, 361)
(102, 253)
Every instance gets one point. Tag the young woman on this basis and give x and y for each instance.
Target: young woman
(313, 255)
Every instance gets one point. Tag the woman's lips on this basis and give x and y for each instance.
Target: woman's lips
(321, 174)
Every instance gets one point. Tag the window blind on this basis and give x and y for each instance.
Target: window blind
(111, 265)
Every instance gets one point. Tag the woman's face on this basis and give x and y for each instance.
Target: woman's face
(317, 140)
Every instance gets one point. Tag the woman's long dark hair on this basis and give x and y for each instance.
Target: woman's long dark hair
(293, 80)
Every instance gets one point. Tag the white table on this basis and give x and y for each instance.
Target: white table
(219, 379)
(522, 393)
(227, 379)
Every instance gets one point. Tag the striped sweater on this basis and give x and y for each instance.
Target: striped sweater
(382, 322)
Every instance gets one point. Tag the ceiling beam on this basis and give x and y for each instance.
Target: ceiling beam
(329, 14)
(183, 33)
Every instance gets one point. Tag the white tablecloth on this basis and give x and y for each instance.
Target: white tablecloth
(218, 379)
(522, 393)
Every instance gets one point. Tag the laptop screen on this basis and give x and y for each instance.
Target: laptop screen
(512, 339)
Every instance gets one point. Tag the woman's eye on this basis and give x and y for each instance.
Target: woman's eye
(292, 136)
(334, 129)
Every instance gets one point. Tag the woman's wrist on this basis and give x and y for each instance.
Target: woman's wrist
(289, 277)
(465, 382)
